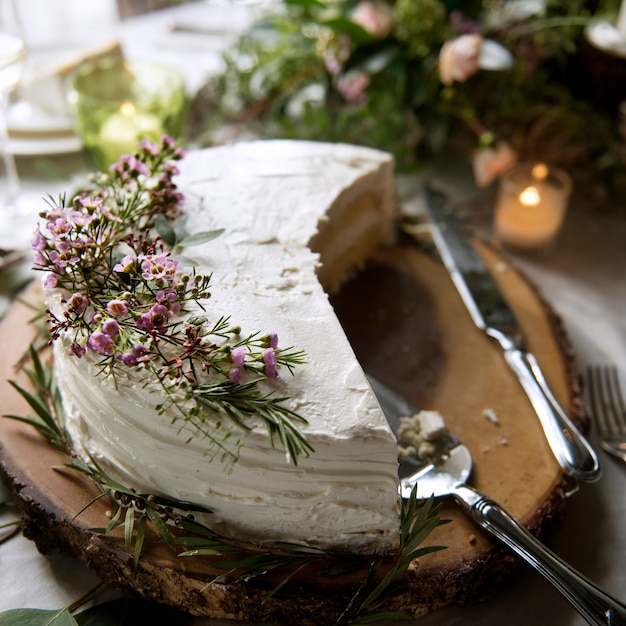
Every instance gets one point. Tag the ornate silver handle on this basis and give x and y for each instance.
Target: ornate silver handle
(570, 448)
(595, 605)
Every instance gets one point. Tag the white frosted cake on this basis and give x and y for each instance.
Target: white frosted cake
(298, 218)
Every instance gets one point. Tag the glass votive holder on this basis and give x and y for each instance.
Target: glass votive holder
(117, 102)
(530, 206)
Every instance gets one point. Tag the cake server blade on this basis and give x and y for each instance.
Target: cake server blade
(491, 313)
(449, 479)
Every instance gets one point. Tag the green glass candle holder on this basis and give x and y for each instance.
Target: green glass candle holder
(118, 102)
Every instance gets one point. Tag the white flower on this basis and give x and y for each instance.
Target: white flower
(489, 163)
(494, 56)
(458, 58)
(375, 17)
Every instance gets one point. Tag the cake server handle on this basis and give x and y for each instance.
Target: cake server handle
(594, 604)
(571, 449)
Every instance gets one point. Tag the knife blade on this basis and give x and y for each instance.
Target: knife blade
(492, 314)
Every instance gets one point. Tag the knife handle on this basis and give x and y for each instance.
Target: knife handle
(571, 449)
(594, 604)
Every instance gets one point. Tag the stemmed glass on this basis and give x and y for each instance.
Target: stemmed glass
(13, 212)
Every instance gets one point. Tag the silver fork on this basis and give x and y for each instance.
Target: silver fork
(608, 408)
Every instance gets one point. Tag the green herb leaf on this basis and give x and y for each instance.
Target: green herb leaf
(141, 537)
(36, 617)
(198, 238)
(165, 230)
(129, 527)
(241, 402)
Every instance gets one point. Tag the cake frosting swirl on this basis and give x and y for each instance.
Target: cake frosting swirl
(298, 217)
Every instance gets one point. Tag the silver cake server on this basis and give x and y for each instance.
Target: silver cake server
(492, 314)
(449, 479)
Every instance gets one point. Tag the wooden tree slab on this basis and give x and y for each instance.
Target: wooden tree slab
(409, 328)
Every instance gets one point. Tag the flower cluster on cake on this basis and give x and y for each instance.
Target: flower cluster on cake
(122, 297)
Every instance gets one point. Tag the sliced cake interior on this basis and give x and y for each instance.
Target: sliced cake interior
(298, 218)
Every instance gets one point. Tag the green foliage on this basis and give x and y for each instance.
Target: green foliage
(37, 617)
(286, 77)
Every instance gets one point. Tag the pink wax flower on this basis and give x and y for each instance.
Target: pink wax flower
(51, 281)
(150, 147)
(39, 241)
(111, 328)
(101, 343)
(159, 267)
(238, 356)
(117, 308)
(337, 54)
(78, 303)
(235, 375)
(76, 349)
(375, 17)
(126, 265)
(156, 318)
(458, 58)
(352, 87)
(269, 358)
(129, 359)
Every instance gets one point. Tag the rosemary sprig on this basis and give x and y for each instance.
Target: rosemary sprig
(240, 402)
(46, 402)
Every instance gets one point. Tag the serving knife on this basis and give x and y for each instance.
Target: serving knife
(491, 313)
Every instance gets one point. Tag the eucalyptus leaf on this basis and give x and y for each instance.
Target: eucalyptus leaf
(37, 617)
(198, 238)
(180, 226)
(165, 230)
(344, 25)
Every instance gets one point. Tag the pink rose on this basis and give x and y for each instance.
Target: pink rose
(489, 163)
(374, 17)
(352, 87)
(458, 59)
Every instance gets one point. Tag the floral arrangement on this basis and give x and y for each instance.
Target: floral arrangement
(122, 294)
(409, 76)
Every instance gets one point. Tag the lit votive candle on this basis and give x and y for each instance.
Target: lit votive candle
(122, 130)
(117, 102)
(531, 205)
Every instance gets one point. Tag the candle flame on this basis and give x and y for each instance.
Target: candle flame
(530, 196)
(127, 109)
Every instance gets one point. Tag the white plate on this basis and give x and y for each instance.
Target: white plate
(33, 131)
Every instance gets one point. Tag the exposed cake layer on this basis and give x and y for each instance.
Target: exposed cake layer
(272, 199)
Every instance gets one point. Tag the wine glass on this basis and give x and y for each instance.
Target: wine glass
(16, 211)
